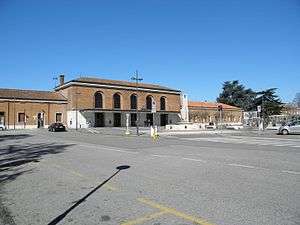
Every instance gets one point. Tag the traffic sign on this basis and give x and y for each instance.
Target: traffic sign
(153, 109)
(259, 108)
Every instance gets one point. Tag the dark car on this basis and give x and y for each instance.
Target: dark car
(57, 127)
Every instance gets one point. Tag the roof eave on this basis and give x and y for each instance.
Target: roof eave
(69, 83)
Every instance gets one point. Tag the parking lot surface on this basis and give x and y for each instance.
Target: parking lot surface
(175, 180)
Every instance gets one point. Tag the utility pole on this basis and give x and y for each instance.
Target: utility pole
(76, 108)
(137, 79)
(220, 109)
(262, 112)
(14, 112)
(24, 118)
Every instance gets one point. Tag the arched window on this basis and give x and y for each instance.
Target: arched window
(133, 101)
(117, 101)
(162, 103)
(98, 100)
(149, 102)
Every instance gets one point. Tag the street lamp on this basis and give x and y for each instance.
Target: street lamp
(137, 79)
(220, 109)
(261, 109)
(76, 108)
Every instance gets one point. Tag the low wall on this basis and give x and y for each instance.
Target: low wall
(200, 126)
(194, 126)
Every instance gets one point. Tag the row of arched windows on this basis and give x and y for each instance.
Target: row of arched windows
(133, 101)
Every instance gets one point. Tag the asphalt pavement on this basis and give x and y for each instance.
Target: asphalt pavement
(72, 178)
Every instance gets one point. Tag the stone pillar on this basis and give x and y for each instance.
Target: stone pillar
(127, 124)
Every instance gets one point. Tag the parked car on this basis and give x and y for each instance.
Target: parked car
(2, 127)
(290, 128)
(57, 127)
(234, 127)
(211, 125)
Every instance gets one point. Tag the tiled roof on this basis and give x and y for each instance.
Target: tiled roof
(30, 95)
(210, 105)
(121, 83)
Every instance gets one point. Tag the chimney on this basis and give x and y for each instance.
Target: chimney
(61, 79)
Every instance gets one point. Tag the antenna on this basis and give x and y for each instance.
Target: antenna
(55, 81)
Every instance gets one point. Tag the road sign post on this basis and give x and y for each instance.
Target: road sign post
(220, 109)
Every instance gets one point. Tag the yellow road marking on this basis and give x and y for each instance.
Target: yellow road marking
(107, 186)
(144, 218)
(175, 212)
(110, 187)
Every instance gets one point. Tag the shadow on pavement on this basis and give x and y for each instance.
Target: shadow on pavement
(12, 156)
(6, 137)
(63, 215)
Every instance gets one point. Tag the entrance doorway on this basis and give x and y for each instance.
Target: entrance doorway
(117, 119)
(149, 119)
(99, 119)
(133, 118)
(2, 118)
(164, 119)
(40, 120)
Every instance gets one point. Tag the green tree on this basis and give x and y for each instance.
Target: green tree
(270, 103)
(237, 95)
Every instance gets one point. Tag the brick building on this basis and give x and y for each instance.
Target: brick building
(99, 102)
(94, 102)
(206, 112)
(31, 109)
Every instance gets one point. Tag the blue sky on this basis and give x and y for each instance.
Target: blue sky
(192, 45)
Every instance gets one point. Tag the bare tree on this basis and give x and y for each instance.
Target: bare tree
(296, 100)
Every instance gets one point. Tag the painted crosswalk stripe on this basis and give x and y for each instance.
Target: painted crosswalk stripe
(240, 165)
(250, 141)
(291, 172)
(196, 160)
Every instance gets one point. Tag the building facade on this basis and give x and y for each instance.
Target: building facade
(209, 112)
(21, 109)
(289, 113)
(91, 102)
(106, 103)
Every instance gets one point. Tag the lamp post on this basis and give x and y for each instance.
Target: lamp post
(262, 110)
(14, 112)
(220, 109)
(76, 108)
(137, 79)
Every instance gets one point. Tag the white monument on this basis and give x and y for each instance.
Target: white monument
(184, 108)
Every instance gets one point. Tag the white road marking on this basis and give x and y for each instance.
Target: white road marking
(240, 165)
(283, 145)
(279, 139)
(170, 156)
(197, 160)
(291, 172)
(161, 156)
(92, 131)
(108, 148)
(117, 150)
(250, 141)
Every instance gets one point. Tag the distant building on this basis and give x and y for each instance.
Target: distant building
(290, 110)
(289, 113)
(90, 102)
(206, 112)
(21, 109)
